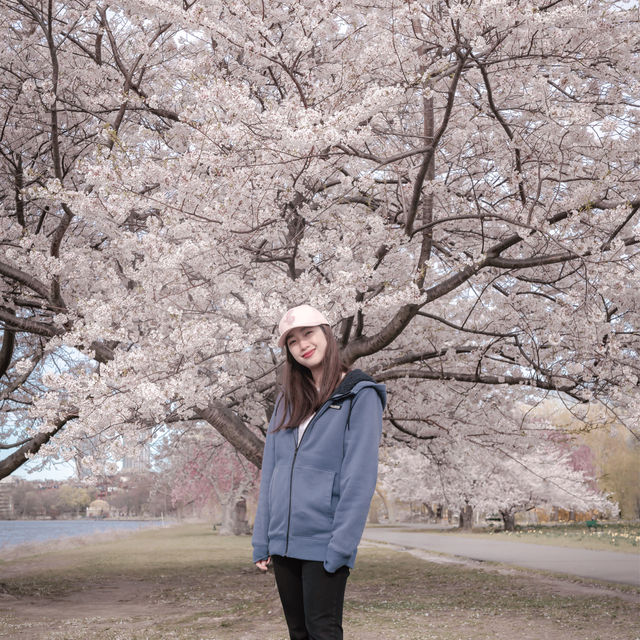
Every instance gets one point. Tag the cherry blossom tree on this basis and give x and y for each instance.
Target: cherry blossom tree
(454, 183)
(539, 472)
(206, 470)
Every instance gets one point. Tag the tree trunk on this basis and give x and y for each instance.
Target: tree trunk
(240, 523)
(466, 517)
(428, 509)
(509, 520)
(228, 510)
(385, 504)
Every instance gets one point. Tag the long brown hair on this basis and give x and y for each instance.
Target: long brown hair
(301, 398)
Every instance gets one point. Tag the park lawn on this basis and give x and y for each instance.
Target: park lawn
(606, 537)
(188, 583)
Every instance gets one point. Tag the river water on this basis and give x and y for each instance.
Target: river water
(15, 532)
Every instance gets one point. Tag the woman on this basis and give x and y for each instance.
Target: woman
(319, 473)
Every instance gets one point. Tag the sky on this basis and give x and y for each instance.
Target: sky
(57, 471)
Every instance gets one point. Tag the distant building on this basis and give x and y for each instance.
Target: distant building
(87, 448)
(6, 499)
(88, 452)
(140, 462)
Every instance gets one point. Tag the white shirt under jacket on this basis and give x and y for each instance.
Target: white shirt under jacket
(303, 426)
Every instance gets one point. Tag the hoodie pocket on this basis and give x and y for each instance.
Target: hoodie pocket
(311, 513)
(278, 502)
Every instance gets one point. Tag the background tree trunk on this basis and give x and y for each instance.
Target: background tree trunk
(466, 517)
(509, 520)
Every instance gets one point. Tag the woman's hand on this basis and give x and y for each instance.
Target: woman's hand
(263, 565)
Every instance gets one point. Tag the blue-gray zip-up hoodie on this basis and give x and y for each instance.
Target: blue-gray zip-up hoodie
(315, 497)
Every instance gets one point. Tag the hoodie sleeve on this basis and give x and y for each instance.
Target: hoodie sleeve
(358, 476)
(260, 540)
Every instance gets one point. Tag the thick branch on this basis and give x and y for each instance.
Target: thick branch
(232, 429)
(32, 446)
(58, 235)
(29, 326)
(6, 353)
(24, 278)
(13, 445)
(516, 238)
(365, 346)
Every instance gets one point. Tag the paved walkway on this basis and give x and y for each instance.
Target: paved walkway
(611, 566)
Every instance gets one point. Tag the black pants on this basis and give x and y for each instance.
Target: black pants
(311, 597)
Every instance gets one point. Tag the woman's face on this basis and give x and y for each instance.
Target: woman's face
(307, 345)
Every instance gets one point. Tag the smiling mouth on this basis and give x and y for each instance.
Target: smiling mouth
(309, 353)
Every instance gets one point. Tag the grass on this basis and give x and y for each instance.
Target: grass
(623, 537)
(187, 583)
(606, 537)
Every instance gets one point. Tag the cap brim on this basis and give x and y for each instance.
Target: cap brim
(283, 339)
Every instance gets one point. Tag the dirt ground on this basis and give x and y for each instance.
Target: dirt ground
(188, 583)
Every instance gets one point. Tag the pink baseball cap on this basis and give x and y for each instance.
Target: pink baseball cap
(302, 316)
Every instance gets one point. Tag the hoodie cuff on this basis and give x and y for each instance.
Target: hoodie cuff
(260, 554)
(334, 561)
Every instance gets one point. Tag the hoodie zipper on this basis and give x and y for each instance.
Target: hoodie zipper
(320, 412)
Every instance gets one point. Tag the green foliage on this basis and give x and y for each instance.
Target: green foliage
(617, 455)
(615, 448)
(70, 498)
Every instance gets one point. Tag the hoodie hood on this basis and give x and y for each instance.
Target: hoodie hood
(357, 379)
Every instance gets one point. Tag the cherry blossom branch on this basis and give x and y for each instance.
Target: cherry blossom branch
(18, 381)
(128, 73)
(504, 125)
(409, 432)
(56, 241)
(419, 181)
(383, 162)
(526, 263)
(13, 445)
(422, 356)
(465, 329)
(634, 209)
(487, 379)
